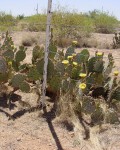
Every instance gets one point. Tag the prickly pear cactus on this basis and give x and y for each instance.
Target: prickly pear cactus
(8, 43)
(91, 63)
(38, 53)
(99, 66)
(50, 68)
(15, 65)
(24, 87)
(109, 65)
(17, 80)
(9, 54)
(55, 83)
(4, 77)
(3, 65)
(52, 50)
(69, 52)
(23, 67)
(20, 56)
(111, 117)
(75, 73)
(60, 68)
(90, 80)
(33, 74)
(83, 56)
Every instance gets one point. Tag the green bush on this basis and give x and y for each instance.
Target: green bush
(6, 20)
(20, 17)
(71, 25)
(103, 21)
(36, 22)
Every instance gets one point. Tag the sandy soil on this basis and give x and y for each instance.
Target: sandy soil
(35, 131)
(31, 132)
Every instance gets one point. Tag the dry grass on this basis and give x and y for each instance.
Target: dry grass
(29, 41)
(94, 41)
(64, 42)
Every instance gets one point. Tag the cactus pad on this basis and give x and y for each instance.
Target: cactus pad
(15, 65)
(17, 80)
(83, 56)
(69, 51)
(9, 54)
(24, 87)
(55, 83)
(60, 68)
(111, 117)
(99, 66)
(20, 56)
(37, 53)
(50, 68)
(91, 63)
(33, 74)
(3, 65)
(3, 77)
(53, 50)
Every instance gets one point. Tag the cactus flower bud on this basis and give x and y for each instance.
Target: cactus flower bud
(82, 86)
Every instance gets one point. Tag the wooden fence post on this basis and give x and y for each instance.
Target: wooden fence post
(48, 36)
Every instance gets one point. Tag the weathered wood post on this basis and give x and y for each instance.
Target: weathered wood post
(48, 36)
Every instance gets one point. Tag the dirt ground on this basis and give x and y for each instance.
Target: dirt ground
(35, 131)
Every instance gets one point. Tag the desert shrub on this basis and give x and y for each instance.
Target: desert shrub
(36, 22)
(6, 20)
(87, 42)
(64, 42)
(29, 41)
(20, 17)
(82, 42)
(71, 25)
(36, 27)
(103, 21)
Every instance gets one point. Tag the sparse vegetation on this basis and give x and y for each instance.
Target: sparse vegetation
(6, 21)
(82, 89)
(78, 85)
(103, 21)
(29, 41)
(71, 24)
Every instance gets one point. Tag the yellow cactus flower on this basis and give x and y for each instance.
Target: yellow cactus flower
(99, 54)
(82, 86)
(74, 42)
(10, 63)
(75, 63)
(82, 75)
(116, 73)
(73, 54)
(69, 57)
(65, 62)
